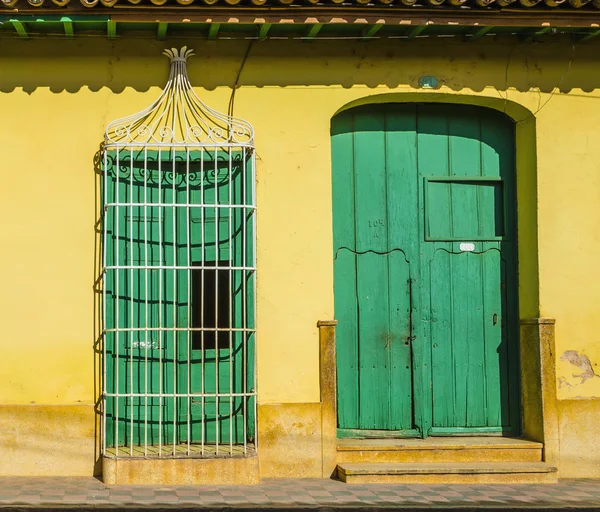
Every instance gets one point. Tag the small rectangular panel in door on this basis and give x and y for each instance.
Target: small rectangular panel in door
(464, 209)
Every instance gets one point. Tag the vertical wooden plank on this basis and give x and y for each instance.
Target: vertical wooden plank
(399, 344)
(403, 242)
(476, 384)
(498, 158)
(432, 159)
(460, 336)
(465, 160)
(495, 347)
(444, 374)
(372, 268)
(346, 311)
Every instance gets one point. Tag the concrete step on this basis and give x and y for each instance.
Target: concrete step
(449, 473)
(438, 449)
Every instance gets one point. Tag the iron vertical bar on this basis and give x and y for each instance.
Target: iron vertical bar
(116, 216)
(160, 306)
(174, 318)
(216, 298)
(202, 261)
(244, 220)
(104, 216)
(146, 284)
(131, 301)
(254, 390)
(189, 299)
(230, 242)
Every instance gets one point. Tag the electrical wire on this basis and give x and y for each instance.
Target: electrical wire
(554, 89)
(237, 79)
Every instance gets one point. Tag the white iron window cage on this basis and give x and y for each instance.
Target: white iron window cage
(179, 279)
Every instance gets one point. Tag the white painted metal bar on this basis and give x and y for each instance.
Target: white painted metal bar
(254, 387)
(230, 302)
(173, 127)
(146, 304)
(174, 314)
(182, 395)
(182, 205)
(177, 267)
(202, 304)
(192, 329)
(129, 337)
(244, 220)
(217, 346)
(105, 217)
(160, 309)
(116, 257)
(189, 334)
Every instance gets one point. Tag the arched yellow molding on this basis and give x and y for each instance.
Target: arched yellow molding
(526, 168)
(517, 112)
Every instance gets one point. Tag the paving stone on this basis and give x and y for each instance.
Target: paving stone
(70, 492)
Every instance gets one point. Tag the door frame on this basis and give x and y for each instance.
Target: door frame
(526, 227)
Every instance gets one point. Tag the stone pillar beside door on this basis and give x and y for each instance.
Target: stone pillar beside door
(538, 385)
(327, 372)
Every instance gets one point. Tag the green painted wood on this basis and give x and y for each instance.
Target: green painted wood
(372, 276)
(416, 31)
(68, 26)
(20, 28)
(111, 29)
(314, 30)
(479, 33)
(264, 30)
(346, 303)
(481, 431)
(402, 233)
(215, 235)
(161, 32)
(374, 434)
(370, 31)
(589, 36)
(432, 154)
(428, 326)
(213, 31)
(470, 322)
(372, 271)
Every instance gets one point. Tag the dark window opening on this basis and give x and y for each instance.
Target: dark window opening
(210, 305)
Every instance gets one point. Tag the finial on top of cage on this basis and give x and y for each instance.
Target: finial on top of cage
(181, 55)
(179, 117)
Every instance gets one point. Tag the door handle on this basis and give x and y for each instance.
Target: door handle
(495, 318)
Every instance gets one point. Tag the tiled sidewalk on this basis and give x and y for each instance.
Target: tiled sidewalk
(81, 493)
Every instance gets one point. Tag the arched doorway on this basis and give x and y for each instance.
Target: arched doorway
(426, 290)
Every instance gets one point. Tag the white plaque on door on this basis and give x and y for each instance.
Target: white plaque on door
(467, 247)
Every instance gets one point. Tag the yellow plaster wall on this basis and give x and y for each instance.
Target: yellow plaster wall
(54, 440)
(579, 434)
(56, 97)
(289, 440)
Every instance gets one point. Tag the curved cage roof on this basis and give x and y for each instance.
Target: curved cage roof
(179, 117)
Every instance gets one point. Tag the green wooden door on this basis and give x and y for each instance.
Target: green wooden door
(425, 270)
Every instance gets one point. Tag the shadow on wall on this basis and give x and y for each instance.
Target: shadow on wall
(503, 63)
